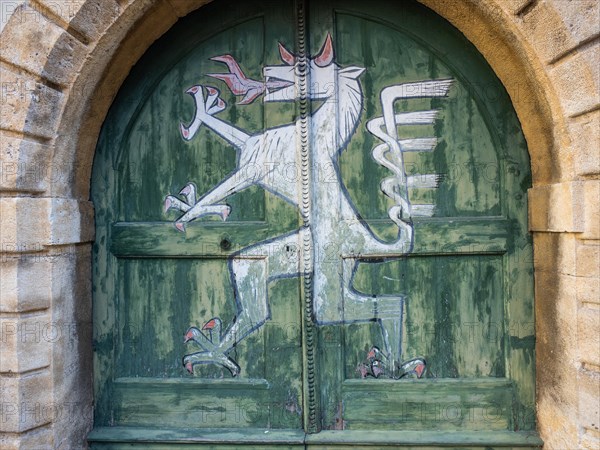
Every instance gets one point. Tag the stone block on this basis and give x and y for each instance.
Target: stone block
(25, 282)
(576, 80)
(591, 195)
(26, 342)
(556, 314)
(584, 132)
(588, 260)
(588, 335)
(31, 41)
(30, 224)
(39, 438)
(24, 165)
(545, 31)
(558, 422)
(555, 252)
(27, 402)
(514, 6)
(7, 10)
(28, 107)
(566, 207)
(556, 358)
(89, 18)
(72, 221)
(555, 27)
(556, 207)
(589, 404)
(25, 225)
(72, 357)
(580, 19)
(588, 291)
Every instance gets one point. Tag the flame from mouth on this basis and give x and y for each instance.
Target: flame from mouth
(239, 84)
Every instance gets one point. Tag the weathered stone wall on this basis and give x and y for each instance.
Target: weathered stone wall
(61, 64)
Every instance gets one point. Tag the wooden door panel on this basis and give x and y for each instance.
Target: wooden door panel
(150, 385)
(459, 319)
(401, 300)
(462, 339)
(192, 403)
(456, 280)
(483, 404)
(454, 315)
(152, 313)
(155, 282)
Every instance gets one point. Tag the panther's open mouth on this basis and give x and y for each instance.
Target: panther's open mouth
(240, 84)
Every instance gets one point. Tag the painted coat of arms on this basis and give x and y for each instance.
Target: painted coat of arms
(333, 216)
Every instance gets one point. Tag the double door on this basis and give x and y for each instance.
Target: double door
(311, 225)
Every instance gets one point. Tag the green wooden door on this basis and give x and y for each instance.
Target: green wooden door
(312, 231)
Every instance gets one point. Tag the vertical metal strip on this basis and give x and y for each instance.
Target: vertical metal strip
(311, 403)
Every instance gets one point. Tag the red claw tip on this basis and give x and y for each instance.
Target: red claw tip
(209, 325)
(419, 370)
(180, 226)
(184, 131)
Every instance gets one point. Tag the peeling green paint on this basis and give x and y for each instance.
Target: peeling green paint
(468, 280)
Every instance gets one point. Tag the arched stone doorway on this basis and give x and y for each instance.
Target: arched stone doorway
(48, 99)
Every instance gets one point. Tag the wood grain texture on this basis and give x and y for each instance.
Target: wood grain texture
(467, 282)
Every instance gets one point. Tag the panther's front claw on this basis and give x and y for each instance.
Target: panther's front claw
(413, 368)
(208, 339)
(172, 202)
(189, 192)
(213, 103)
(214, 357)
(205, 106)
(374, 365)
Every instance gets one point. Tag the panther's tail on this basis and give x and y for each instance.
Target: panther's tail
(390, 154)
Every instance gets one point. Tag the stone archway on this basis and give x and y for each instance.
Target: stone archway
(62, 63)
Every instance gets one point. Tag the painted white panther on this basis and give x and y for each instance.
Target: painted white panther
(334, 219)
